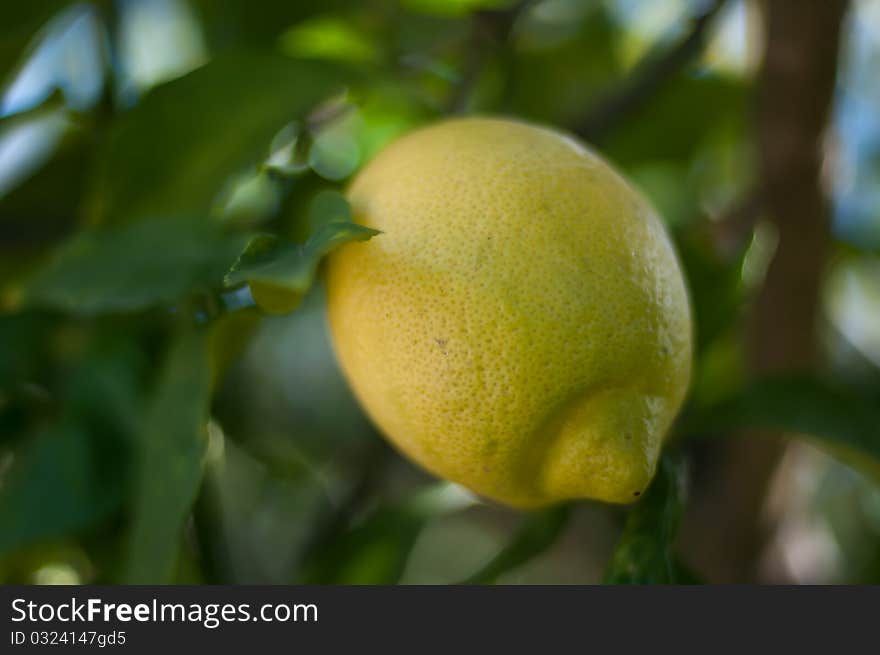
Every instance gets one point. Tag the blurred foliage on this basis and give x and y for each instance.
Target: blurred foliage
(195, 255)
(72, 463)
(171, 443)
(171, 174)
(252, 95)
(537, 534)
(375, 550)
(843, 417)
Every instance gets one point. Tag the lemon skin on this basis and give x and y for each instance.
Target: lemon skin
(521, 326)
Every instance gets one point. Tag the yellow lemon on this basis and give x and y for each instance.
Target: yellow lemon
(521, 325)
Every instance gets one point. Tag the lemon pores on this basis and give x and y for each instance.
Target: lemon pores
(521, 325)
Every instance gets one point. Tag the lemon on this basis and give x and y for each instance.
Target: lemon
(521, 326)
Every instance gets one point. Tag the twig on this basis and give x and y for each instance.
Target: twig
(649, 77)
(489, 33)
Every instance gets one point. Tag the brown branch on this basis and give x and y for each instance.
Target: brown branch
(796, 88)
(724, 534)
(649, 77)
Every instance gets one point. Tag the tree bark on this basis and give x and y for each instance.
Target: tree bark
(724, 535)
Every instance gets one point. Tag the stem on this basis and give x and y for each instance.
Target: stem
(649, 77)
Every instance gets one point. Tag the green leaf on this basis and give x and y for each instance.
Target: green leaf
(564, 63)
(644, 552)
(71, 473)
(329, 206)
(332, 38)
(689, 112)
(538, 533)
(376, 550)
(235, 21)
(454, 7)
(170, 450)
(29, 333)
(841, 416)
(175, 150)
(279, 273)
(133, 267)
(56, 487)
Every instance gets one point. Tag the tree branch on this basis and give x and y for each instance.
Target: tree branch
(726, 532)
(649, 77)
(490, 31)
